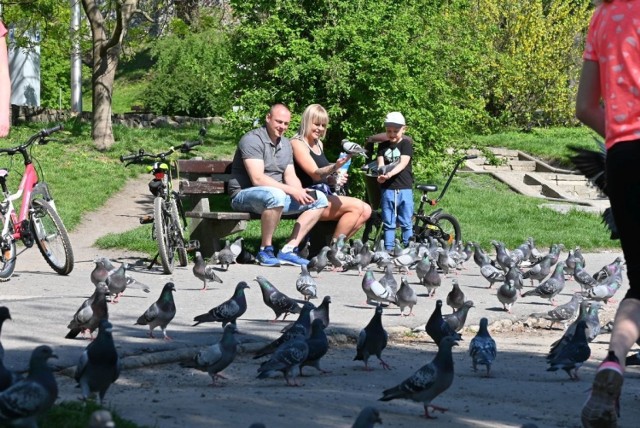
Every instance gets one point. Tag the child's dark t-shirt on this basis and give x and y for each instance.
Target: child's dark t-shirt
(392, 152)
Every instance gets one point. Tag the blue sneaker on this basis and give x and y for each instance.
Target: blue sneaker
(267, 258)
(292, 258)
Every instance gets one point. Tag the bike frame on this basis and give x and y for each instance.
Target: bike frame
(25, 190)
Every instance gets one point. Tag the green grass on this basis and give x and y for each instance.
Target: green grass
(76, 414)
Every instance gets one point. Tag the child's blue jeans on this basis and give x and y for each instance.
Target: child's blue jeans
(397, 208)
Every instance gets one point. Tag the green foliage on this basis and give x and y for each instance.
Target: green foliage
(191, 74)
(76, 414)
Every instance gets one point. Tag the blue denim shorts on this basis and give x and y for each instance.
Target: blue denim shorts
(260, 198)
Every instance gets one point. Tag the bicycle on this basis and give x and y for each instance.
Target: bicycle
(438, 225)
(38, 220)
(169, 221)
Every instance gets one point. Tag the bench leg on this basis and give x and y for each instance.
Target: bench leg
(209, 233)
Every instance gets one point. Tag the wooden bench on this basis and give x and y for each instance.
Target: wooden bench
(203, 190)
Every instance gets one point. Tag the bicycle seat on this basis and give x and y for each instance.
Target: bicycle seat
(427, 187)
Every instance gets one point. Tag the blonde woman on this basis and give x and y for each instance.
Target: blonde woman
(313, 167)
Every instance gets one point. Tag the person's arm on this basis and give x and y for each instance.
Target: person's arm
(308, 165)
(5, 88)
(404, 161)
(588, 107)
(255, 170)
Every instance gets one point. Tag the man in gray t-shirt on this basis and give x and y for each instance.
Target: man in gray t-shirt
(263, 181)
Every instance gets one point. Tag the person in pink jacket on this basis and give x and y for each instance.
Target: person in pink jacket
(5, 83)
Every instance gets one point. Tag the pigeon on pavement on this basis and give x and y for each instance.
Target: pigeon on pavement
(507, 295)
(367, 418)
(89, 314)
(437, 328)
(23, 402)
(388, 280)
(432, 279)
(204, 272)
(374, 290)
(301, 327)
(429, 381)
(286, 359)
(457, 319)
(492, 274)
(306, 285)
(455, 298)
(161, 312)
(320, 261)
(118, 281)
(562, 313)
(226, 256)
(279, 302)
(550, 288)
(540, 270)
(215, 358)
(99, 365)
(480, 258)
(228, 311)
(608, 270)
(482, 348)
(406, 296)
(318, 346)
(556, 347)
(372, 341)
(573, 354)
(322, 311)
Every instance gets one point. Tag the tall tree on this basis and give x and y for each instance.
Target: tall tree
(107, 35)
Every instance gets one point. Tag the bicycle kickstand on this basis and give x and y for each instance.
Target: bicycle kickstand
(153, 262)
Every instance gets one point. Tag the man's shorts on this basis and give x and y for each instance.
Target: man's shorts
(259, 198)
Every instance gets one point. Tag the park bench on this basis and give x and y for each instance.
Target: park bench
(203, 191)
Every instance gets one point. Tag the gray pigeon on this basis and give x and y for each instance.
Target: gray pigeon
(367, 418)
(570, 264)
(304, 251)
(161, 312)
(608, 270)
(99, 365)
(89, 314)
(480, 258)
(482, 348)
(492, 274)
(540, 270)
(217, 357)
(388, 281)
(7, 377)
(573, 354)
(101, 272)
(422, 266)
(118, 281)
(204, 272)
(306, 285)
(318, 346)
(322, 311)
(583, 313)
(279, 302)
(228, 311)
(583, 277)
(515, 274)
(375, 291)
(562, 313)
(286, 359)
(432, 279)
(23, 402)
(604, 291)
(372, 341)
(226, 256)
(437, 328)
(455, 298)
(507, 295)
(301, 327)
(406, 296)
(320, 261)
(352, 148)
(429, 381)
(550, 288)
(502, 255)
(457, 319)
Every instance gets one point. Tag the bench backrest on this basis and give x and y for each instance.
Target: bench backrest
(200, 177)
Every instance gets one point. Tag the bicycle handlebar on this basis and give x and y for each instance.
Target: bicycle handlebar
(47, 132)
(40, 135)
(141, 155)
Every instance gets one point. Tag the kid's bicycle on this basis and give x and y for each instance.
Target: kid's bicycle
(37, 221)
(169, 221)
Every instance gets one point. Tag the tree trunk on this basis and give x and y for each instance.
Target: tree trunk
(188, 11)
(106, 54)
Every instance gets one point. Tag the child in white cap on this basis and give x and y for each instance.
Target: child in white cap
(396, 185)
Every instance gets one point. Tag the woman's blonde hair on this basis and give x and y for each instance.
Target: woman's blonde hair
(314, 113)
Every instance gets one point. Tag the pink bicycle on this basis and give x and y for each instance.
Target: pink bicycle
(37, 221)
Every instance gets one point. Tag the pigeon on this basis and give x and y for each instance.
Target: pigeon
(604, 291)
(306, 285)
(432, 279)
(583, 277)
(437, 328)
(583, 313)
(608, 270)
(361, 259)
(422, 266)
(335, 256)
(286, 358)
(514, 274)
(569, 264)
(482, 348)
(101, 419)
(445, 262)
(388, 281)
(550, 288)
(593, 321)
(301, 327)
(367, 418)
(101, 271)
(502, 256)
(563, 313)
(244, 257)
(319, 262)
(161, 312)
(457, 319)
(406, 296)
(23, 402)
(375, 291)
(480, 258)
(279, 302)
(236, 247)
(492, 274)
(455, 298)
(99, 365)
(226, 256)
(304, 251)
(571, 357)
(540, 270)
(534, 254)
(318, 346)
(577, 253)
(228, 311)
(507, 295)
(372, 340)
(118, 281)
(429, 381)
(215, 358)
(351, 148)
(322, 312)
(7, 377)
(89, 314)
(204, 272)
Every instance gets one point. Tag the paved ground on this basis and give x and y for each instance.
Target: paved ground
(42, 303)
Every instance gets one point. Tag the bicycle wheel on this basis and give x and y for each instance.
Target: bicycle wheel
(162, 230)
(449, 229)
(7, 254)
(178, 234)
(51, 236)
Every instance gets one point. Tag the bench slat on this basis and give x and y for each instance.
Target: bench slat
(202, 187)
(203, 167)
(219, 215)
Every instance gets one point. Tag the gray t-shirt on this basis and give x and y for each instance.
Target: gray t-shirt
(256, 144)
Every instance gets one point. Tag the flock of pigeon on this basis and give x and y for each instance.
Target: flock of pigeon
(304, 342)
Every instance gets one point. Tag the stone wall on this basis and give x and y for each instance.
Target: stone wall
(22, 114)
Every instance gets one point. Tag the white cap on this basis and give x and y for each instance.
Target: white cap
(394, 118)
